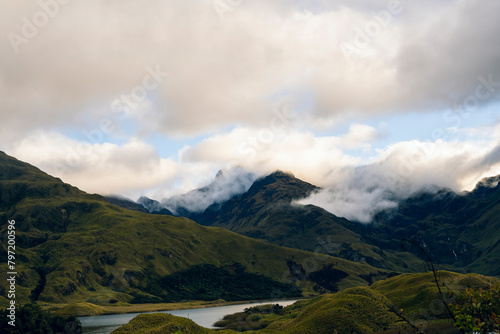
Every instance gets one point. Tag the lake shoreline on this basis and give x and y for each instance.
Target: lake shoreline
(86, 309)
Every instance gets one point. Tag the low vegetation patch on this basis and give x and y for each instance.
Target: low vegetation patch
(208, 282)
(253, 318)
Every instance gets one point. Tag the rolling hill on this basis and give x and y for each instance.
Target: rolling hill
(356, 310)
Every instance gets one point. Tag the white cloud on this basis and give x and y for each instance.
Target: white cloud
(404, 169)
(307, 156)
(100, 168)
(360, 135)
(223, 72)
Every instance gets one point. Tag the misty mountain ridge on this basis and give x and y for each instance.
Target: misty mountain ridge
(486, 186)
(154, 206)
(227, 183)
(458, 230)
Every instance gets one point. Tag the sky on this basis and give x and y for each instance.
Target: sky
(362, 98)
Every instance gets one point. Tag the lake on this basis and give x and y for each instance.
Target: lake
(206, 317)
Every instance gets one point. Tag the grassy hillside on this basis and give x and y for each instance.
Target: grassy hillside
(418, 296)
(355, 310)
(163, 323)
(75, 247)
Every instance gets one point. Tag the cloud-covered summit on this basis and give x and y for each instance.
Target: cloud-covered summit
(227, 183)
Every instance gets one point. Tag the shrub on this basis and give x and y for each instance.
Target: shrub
(478, 310)
(30, 318)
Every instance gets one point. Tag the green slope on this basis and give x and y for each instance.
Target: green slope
(163, 323)
(75, 247)
(355, 310)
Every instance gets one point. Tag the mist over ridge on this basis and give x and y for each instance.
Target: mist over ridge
(357, 194)
(227, 183)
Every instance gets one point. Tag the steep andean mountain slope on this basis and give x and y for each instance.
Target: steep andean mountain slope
(462, 230)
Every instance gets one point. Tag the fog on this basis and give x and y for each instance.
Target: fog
(227, 183)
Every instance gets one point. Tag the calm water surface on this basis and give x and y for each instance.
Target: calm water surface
(206, 317)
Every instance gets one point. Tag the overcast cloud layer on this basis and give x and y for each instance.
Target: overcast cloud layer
(87, 86)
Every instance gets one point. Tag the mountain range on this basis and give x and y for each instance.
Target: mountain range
(74, 247)
(458, 231)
